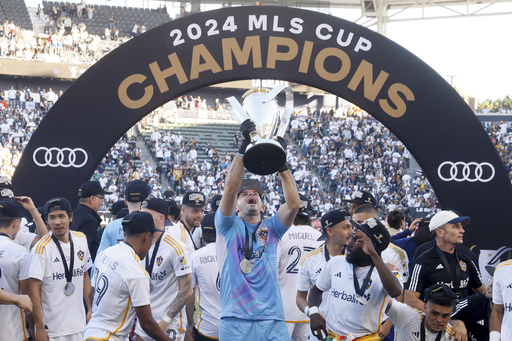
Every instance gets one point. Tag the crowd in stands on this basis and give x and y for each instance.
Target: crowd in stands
(330, 156)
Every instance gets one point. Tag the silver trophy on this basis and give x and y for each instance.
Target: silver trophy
(264, 155)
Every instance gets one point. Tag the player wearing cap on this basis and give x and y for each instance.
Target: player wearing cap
(358, 293)
(501, 316)
(192, 212)
(300, 239)
(206, 284)
(394, 257)
(337, 231)
(135, 193)
(360, 198)
(121, 285)
(85, 216)
(197, 236)
(93, 246)
(415, 325)
(169, 268)
(246, 245)
(58, 278)
(443, 263)
(14, 265)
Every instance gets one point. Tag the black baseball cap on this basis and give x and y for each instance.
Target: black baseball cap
(215, 202)
(376, 230)
(438, 290)
(5, 182)
(117, 206)
(362, 197)
(305, 209)
(91, 188)
(157, 205)
(11, 209)
(136, 191)
(330, 219)
(56, 204)
(250, 184)
(139, 222)
(208, 223)
(193, 198)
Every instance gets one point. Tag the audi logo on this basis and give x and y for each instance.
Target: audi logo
(466, 171)
(60, 157)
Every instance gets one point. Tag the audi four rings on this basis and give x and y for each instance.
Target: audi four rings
(466, 171)
(60, 157)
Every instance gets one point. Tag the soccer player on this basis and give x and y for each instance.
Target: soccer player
(58, 278)
(206, 283)
(251, 302)
(337, 231)
(14, 263)
(415, 325)
(501, 315)
(121, 285)
(169, 268)
(300, 239)
(358, 293)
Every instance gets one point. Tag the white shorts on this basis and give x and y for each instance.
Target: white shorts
(72, 337)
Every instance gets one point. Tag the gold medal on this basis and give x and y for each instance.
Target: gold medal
(246, 266)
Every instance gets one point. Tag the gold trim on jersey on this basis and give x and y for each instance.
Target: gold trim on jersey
(21, 315)
(136, 257)
(504, 263)
(39, 249)
(211, 338)
(124, 318)
(78, 234)
(399, 250)
(316, 251)
(381, 311)
(172, 242)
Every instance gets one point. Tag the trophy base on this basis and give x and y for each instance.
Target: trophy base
(265, 157)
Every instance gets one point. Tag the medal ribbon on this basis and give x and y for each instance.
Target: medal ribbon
(248, 249)
(456, 284)
(360, 290)
(150, 265)
(68, 272)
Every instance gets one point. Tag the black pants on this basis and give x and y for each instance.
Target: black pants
(199, 337)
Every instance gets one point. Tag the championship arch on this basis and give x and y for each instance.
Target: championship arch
(280, 43)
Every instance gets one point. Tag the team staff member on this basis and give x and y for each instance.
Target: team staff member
(501, 315)
(414, 325)
(251, 302)
(59, 281)
(192, 212)
(443, 263)
(206, 283)
(14, 263)
(135, 193)
(85, 216)
(358, 293)
(337, 230)
(169, 268)
(121, 285)
(300, 239)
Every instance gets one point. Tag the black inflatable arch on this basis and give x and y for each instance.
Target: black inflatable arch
(282, 43)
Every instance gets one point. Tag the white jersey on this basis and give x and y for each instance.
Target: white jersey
(14, 266)
(293, 246)
(197, 237)
(396, 257)
(24, 238)
(120, 284)
(345, 314)
(179, 232)
(171, 261)
(310, 268)
(502, 294)
(206, 281)
(407, 322)
(62, 315)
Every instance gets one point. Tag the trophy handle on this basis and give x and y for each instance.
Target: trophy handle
(285, 118)
(239, 113)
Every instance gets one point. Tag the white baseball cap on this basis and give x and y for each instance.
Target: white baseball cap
(443, 217)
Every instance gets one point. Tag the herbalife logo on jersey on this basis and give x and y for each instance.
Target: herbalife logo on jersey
(350, 298)
(508, 307)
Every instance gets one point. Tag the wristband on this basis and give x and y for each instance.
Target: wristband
(494, 336)
(167, 319)
(306, 310)
(313, 310)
